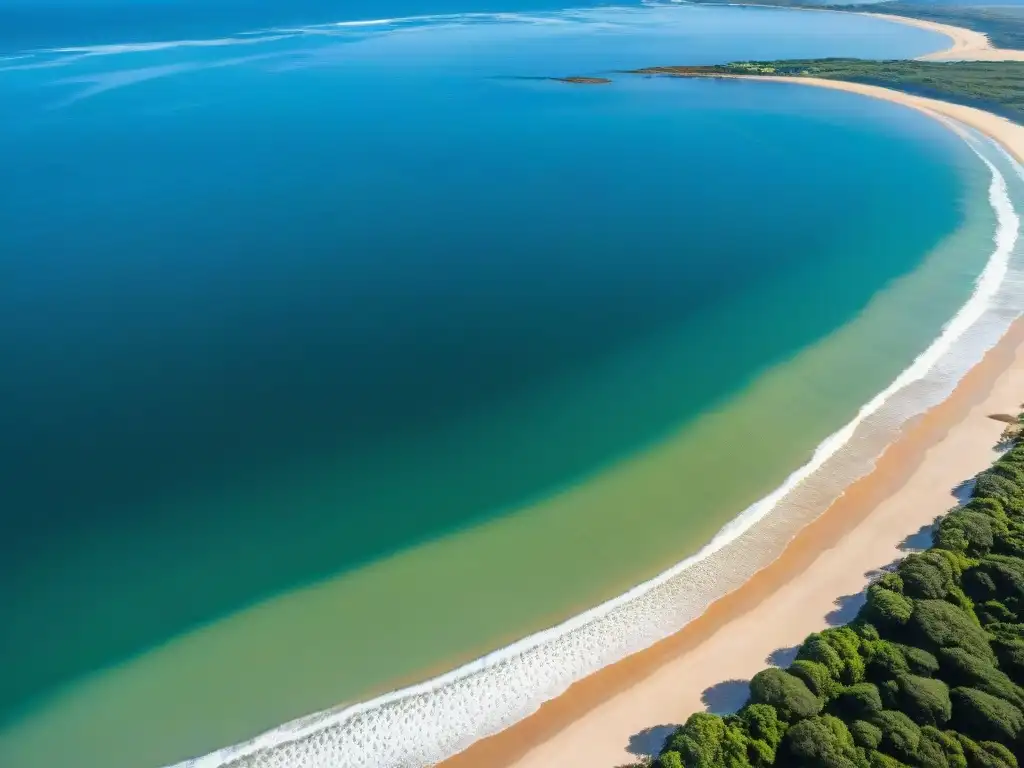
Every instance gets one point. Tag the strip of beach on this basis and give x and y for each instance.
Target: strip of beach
(625, 711)
(966, 44)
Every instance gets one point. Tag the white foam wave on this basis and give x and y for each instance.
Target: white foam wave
(272, 34)
(423, 724)
(366, 23)
(113, 49)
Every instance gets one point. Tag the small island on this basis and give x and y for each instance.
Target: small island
(579, 80)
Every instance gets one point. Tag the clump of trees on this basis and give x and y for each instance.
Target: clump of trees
(929, 674)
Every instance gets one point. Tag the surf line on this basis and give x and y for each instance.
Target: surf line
(376, 733)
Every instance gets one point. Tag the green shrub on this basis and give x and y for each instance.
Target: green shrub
(821, 742)
(1008, 629)
(1006, 575)
(816, 677)
(926, 576)
(890, 691)
(924, 700)
(993, 612)
(817, 649)
(858, 702)
(941, 748)
(1010, 652)
(988, 506)
(979, 586)
(891, 581)
(931, 754)
(983, 756)
(967, 531)
(991, 486)
(919, 661)
(999, 753)
(952, 538)
(1010, 544)
(847, 644)
(937, 624)
(762, 722)
(1010, 472)
(879, 760)
(901, 737)
(886, 608)
(760, 754)
(670, 760)
(885, 660)
(765, 731)
(865, 630)
(787, 693)
(708, 741)
(865, 734)
(961, 668)
(957, 597)
(985, 717)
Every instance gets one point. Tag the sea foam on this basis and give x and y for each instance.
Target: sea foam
(423, 724)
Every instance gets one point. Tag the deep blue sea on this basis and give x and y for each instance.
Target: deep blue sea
(292, 291)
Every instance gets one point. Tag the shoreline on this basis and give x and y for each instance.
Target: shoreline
(966, 44)
(540, 739)
(638, 699)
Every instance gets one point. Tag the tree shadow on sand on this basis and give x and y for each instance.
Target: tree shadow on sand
(846, 608)
(782, 657)
(726, 698)
(649, 741)
(919, 541)
(962, 493)
(876, 574)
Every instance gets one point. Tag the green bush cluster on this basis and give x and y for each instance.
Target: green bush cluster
(929, 674)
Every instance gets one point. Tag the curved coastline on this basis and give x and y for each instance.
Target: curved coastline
(833, 555)
(350, 736)
(965, 45)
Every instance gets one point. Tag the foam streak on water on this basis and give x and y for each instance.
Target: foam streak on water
(424, 724)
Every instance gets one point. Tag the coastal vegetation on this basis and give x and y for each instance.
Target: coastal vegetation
(581, 80)
(930, 674)
(996, 86)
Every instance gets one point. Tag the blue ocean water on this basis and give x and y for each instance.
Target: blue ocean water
(278, 297)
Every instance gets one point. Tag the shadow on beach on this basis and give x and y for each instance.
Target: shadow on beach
(782, 657)
(649, 741)
(725, 698)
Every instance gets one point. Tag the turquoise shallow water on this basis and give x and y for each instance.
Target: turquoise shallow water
(277, 308)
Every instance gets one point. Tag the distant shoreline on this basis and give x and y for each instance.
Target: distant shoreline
(966, 44)
(594, 720)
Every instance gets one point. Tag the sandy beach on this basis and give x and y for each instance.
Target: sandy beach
(966, 44)
(626, 709)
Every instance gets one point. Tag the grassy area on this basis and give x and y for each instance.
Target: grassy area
(995, 86)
